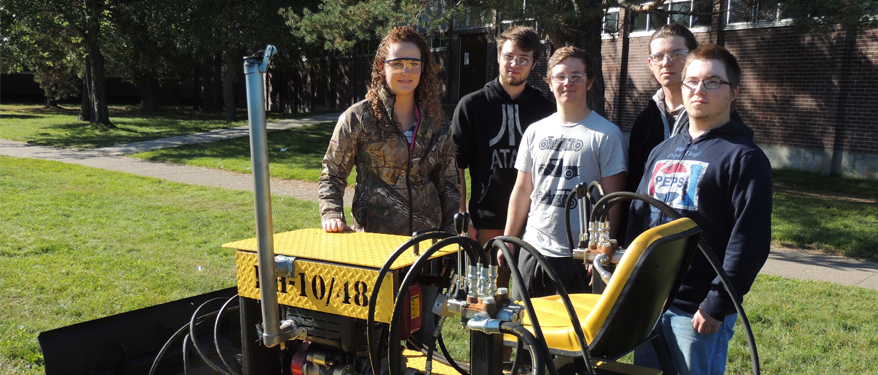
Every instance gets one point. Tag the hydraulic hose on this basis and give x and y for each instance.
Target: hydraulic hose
(447, 355)
(432, 345)
(414, 270)
(618, 196)
(562, 292)
(174, 337)
(373, 299)
(192, 336)
(186, 354)
(537, 359)
(591, 197)
(219, 318)
(445, 358)
(498, 243)
(429, 349)
(519, 352)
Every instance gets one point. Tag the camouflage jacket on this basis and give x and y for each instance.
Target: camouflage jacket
(397, 191)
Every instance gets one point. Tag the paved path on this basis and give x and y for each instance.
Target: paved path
(215, 135)
(781, 262)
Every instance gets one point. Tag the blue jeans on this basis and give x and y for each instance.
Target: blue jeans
(691, 352)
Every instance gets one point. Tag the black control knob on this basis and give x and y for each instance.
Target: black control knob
(461, 223)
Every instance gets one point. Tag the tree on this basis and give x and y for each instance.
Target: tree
(51, 55)
(228, 28)
(338, 25)
(144, 47)
(84, 20)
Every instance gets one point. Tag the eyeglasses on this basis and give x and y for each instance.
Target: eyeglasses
(678, 55)
(575, 77)
(399, 65)
(710, 84)
(520, 60)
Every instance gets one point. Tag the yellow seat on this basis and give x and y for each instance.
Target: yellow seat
(623, 317)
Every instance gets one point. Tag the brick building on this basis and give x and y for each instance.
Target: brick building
(811, 100)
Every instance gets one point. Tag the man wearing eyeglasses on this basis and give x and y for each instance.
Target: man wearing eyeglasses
(557, 153)
(664, 113)
(487, 128)
(713, 173)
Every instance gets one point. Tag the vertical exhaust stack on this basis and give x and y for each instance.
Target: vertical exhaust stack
(254, 70)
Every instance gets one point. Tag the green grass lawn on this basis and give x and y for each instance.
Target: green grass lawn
(295, 154)
(59, 127)
(78, 243)
(834, 214)
(808, 327)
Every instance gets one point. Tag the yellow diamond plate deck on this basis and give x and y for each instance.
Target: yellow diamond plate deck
(354, 248)
(317, 286)
(333, 272)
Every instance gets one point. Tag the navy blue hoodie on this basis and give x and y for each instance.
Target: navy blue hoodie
(487, 128)
(722, 181)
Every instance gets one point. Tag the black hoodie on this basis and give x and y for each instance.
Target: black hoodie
(722, 181)
(487, 129)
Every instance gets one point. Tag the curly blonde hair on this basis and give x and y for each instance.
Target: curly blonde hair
(427, 92)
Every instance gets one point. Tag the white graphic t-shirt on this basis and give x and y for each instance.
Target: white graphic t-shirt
(559, 157)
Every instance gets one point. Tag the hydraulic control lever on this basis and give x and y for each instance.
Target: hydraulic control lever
(461, 226)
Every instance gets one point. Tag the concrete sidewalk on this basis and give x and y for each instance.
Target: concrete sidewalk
(303, 190)
(781, 262)
(215, 135)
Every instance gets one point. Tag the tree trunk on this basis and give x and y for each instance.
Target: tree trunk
(97, 94)
(591, 42)
(101, 120)
(148, 87)
(232, 63)
(86, 110)
(217, 85)
(195, 88)
(206, 84)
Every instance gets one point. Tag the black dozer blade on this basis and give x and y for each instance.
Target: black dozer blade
(128, 343)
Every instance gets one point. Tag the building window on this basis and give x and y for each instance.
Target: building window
(472, 18)
(437, 41)
(748, 14)
(694, 14)
(647, 22)
(611, 21)
(509, 23)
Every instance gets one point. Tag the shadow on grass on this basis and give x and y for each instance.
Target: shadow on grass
(828, 213)
(826, 185)
(5, 117)
(813, 223)
(60, 127)
(81, 135)
(301, 147)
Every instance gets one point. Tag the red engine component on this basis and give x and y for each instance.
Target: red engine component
(411, 312)
(300, 358)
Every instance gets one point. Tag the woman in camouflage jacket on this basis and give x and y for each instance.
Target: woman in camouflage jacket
(406, 175)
